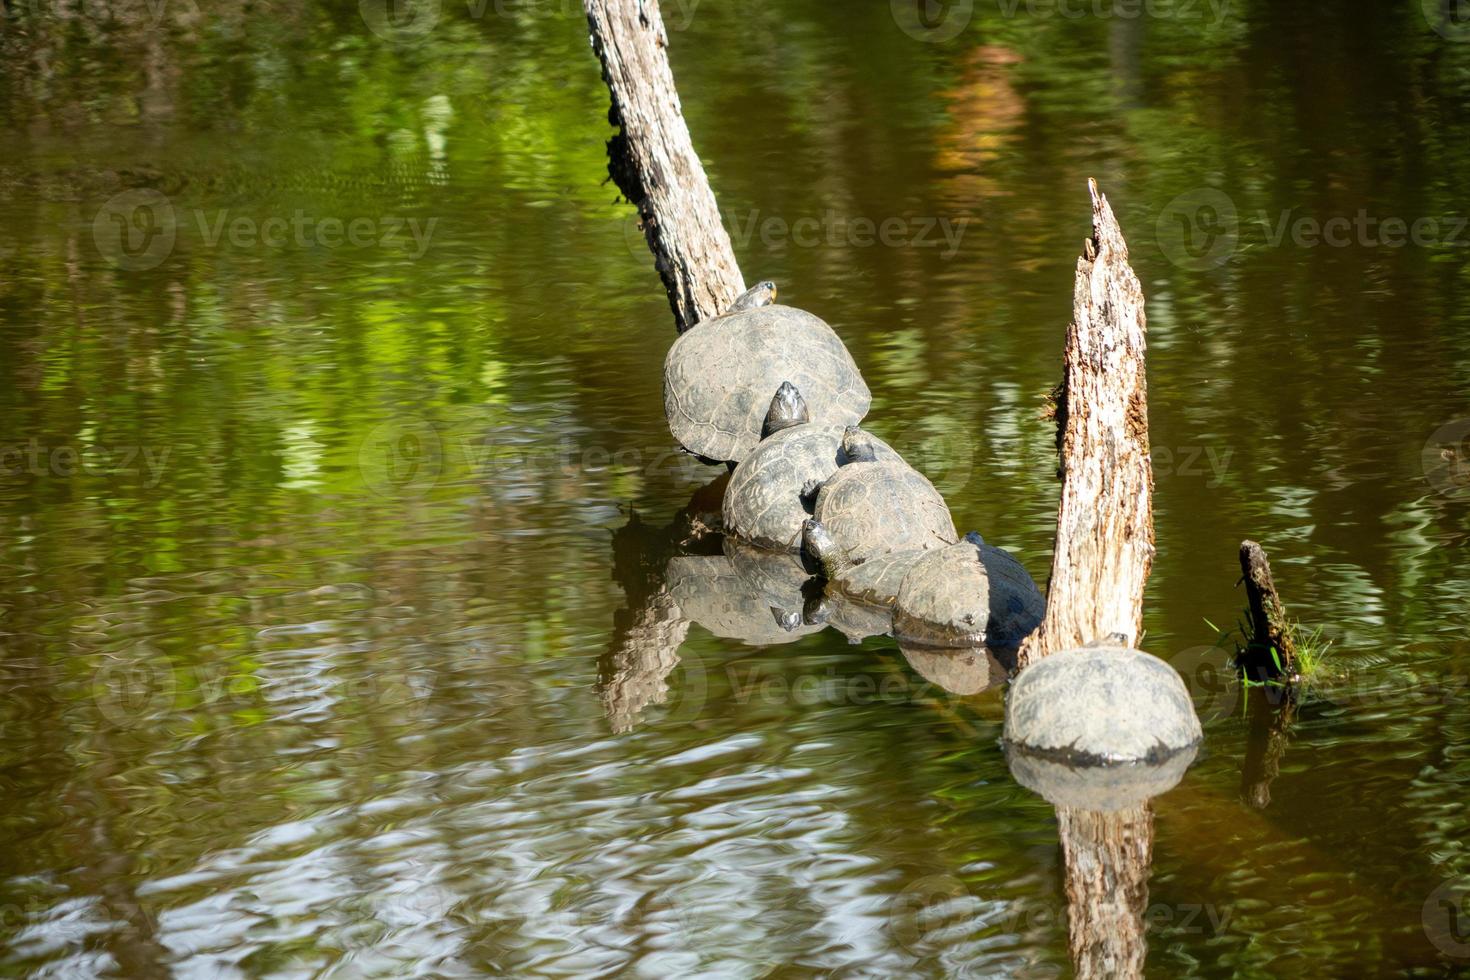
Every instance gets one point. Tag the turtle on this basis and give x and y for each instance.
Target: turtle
(968, 594)
(874, 506)
(774, 489)
(1101, 705)
(720, 374)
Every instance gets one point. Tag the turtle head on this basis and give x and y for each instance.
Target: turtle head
(789, 621)
(762, 293)
(857, 446)
(818, 542)
(974, 538)
(788, 408)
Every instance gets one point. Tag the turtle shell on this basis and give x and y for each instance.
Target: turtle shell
(763, 500)
(720, 376)
(877, 580)
(712, 592)
(873, 509)
(967, 595)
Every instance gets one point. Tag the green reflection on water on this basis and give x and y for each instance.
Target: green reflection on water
(307, 569)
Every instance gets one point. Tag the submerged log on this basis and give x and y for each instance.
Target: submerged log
(1105, 533)
(653, 162)
(1270, 628)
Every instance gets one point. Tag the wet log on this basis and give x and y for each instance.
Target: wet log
(1105, 536)
(652, 161)
(1270, 628)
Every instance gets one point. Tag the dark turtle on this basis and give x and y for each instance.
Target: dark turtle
(968, 594)
(873, 506)
(772, 491)
(720, 375)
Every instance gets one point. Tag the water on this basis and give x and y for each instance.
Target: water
(335, 479)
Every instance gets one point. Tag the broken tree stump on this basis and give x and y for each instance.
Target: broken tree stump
(1270, 627)
(1105, 532)
(652, 161)
(1104, 552)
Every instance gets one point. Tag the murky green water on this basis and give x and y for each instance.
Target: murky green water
(330, 390)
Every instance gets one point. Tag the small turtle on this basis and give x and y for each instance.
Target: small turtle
(774, 488)
(1101, 706)
(719, 376)
(968, 594)
(874, 506)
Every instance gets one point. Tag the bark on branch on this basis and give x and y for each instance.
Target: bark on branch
(1270, 628)
(653, 162)
(1105, 536)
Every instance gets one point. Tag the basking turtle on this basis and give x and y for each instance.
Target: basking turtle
(968, 594)
(873, 506)
(773, 489)
(875, 581)
(720, 374)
